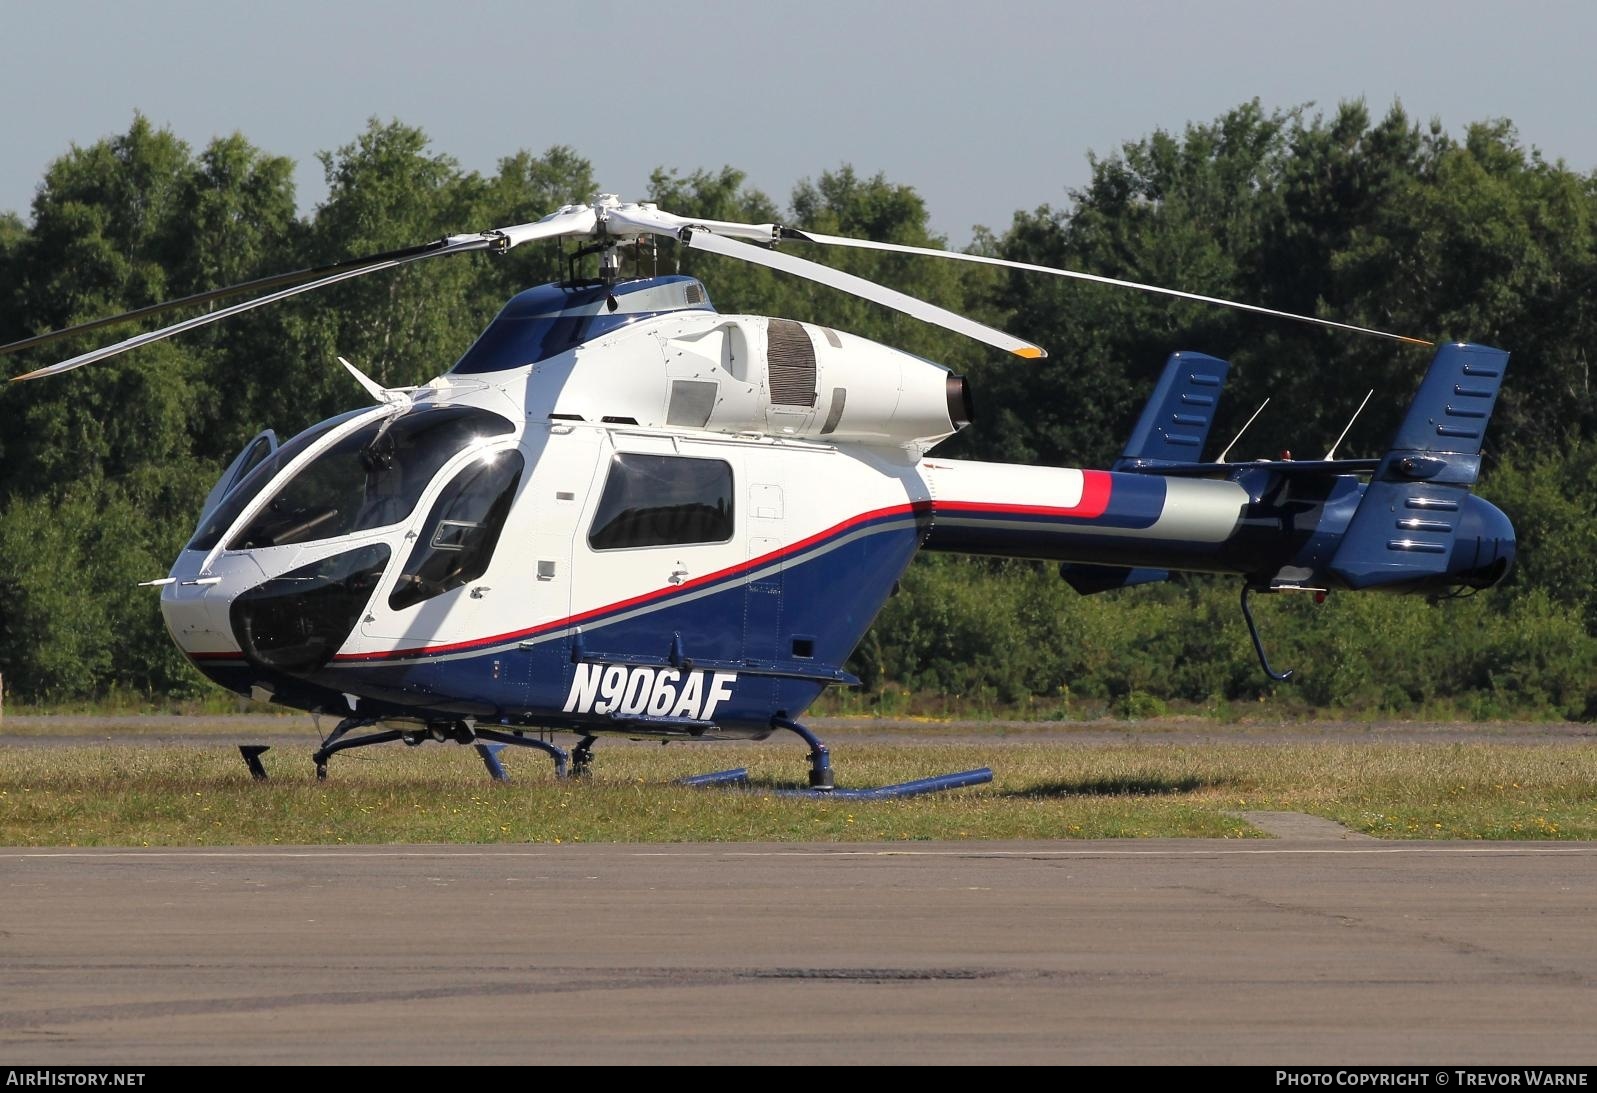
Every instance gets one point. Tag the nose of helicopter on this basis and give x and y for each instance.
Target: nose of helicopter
(195, 604)
(291, 622)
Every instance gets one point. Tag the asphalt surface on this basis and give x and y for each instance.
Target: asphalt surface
(1313, 948)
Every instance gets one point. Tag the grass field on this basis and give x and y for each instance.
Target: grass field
(134, 794)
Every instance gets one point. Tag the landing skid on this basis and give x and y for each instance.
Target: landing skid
(822, 785)
(738, 778)
(578, 763)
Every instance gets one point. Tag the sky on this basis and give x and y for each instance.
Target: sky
(985, 107)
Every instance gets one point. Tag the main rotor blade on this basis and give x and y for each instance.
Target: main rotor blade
(867, 290)
(719, 237)
(466, 243)
(239, 289)
(570, 220)
(866, 244)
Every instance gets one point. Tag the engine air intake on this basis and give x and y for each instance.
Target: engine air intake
(791, 357)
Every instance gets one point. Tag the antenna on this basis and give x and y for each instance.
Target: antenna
(1330, 455)
(1242, 430)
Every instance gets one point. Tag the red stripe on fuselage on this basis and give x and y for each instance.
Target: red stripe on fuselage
(1095, 489)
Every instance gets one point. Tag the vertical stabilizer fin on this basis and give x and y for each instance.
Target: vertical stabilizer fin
(1175, 423)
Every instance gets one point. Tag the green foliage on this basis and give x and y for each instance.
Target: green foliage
(74, 621)
(1011, 632)
(1553, 500)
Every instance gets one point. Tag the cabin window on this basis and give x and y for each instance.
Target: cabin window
(369, 479)
(259, 450)
(458, 539)
(663, 500)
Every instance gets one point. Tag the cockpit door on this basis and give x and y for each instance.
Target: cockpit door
(260, 447)
(489, 553)
(447, 588)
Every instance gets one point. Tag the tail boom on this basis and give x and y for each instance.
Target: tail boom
(1279, 524)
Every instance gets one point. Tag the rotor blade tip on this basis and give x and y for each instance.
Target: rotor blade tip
(1031, 352)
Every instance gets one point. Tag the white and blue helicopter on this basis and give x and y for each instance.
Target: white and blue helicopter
(621, 511)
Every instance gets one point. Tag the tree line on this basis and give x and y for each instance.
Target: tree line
(1381, 222)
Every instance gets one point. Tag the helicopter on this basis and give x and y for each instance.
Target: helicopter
(623, 512)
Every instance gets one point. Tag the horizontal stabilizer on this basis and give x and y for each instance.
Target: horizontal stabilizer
(1400, 532)
(1088, 579)
(1175, 423)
